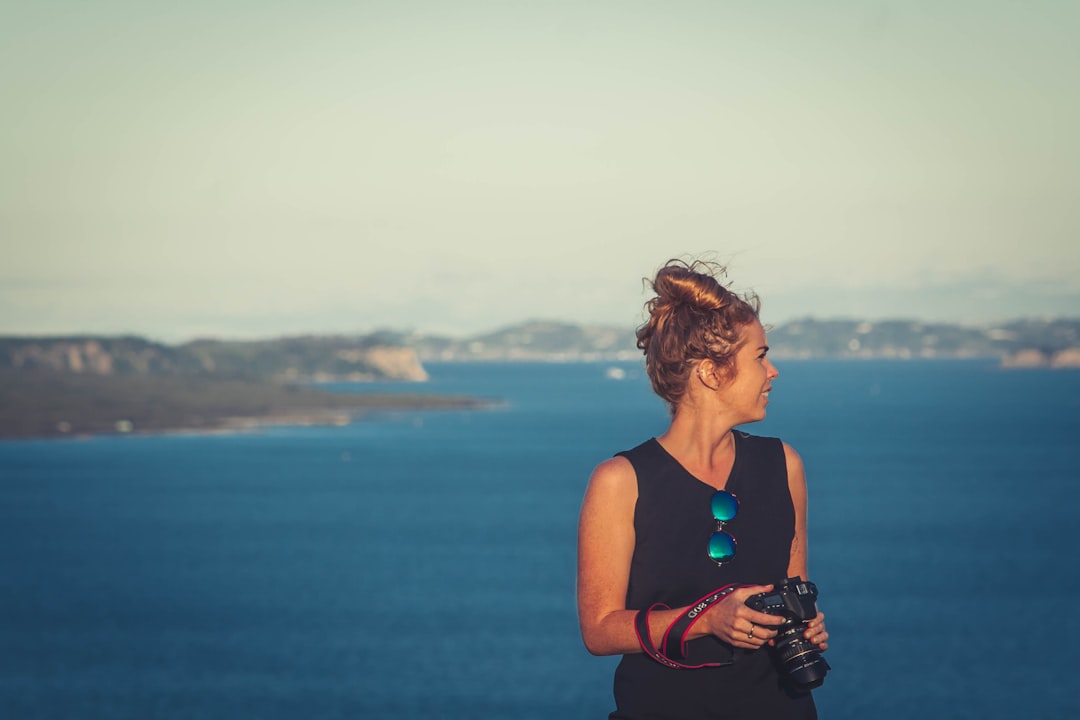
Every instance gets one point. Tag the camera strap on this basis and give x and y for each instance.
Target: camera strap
(674, 640)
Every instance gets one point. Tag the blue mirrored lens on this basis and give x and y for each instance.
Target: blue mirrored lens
(721, 547)
(724, 506)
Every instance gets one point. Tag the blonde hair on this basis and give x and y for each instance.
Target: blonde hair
(693, 317)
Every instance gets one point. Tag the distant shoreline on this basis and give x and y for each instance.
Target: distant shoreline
(64, 405)
(253, 424)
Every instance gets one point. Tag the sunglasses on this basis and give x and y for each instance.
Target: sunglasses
(722, 544)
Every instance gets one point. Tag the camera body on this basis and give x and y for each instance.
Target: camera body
(794, 600)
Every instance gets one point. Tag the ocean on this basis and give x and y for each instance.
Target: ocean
(421, 564)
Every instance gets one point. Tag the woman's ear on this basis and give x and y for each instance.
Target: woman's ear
(707, 375)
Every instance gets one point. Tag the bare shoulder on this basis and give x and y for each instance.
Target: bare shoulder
(794, 460)
(616, 472)
(613, 480)
(606, 525)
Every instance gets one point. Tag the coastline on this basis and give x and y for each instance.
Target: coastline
(58, 406)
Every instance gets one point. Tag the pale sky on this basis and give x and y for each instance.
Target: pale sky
(261, 168)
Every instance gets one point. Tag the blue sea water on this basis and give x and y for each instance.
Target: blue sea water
(421, 564)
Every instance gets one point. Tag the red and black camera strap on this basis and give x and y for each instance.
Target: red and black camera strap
(674, 640)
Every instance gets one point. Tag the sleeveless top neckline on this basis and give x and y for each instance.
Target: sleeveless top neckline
(737, 437)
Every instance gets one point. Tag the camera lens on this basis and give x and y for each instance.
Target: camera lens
(799, 658)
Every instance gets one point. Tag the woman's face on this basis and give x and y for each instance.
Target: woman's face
(746, 394)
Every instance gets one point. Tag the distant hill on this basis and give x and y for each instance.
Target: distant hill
(90, 384)
(1042, 342)
(1017, 343)
(313, 358)
(532, 340)
(392, 355)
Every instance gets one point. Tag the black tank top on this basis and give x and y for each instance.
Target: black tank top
(672, 524)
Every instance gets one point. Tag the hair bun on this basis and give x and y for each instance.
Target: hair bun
(695, 286)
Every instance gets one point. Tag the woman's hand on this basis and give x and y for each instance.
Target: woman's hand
(738, 625)
(815, 632)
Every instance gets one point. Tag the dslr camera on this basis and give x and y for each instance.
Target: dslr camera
(799, 659)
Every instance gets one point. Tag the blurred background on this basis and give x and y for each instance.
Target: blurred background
(250, 169)
(314, 319)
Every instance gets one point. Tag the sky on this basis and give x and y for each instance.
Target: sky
(243, 169)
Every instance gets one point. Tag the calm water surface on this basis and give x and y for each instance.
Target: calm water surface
(421, 565)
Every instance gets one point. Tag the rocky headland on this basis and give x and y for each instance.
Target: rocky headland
(70, 386)
(290, 359)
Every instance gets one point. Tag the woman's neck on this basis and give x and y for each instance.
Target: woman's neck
(704, 446)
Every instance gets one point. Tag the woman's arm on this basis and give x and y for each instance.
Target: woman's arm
(605, 548)
(815, 631)
(797, 488)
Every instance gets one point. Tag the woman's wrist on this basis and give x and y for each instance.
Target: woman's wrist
(663, 633)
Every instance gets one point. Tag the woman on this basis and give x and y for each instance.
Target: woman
(656, 538)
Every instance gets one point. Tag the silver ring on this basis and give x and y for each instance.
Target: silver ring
(750, 635)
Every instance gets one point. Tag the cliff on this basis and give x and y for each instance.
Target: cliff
(89, 385)
(310, 358)
(286, 359)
